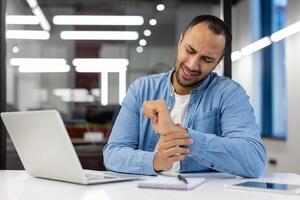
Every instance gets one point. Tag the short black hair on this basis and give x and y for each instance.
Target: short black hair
(215, 24)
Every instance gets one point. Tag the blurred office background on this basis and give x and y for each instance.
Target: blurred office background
(58, 57)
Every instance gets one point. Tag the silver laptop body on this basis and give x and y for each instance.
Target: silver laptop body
(46, 151)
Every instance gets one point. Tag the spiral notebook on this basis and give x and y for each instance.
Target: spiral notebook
(171, 183)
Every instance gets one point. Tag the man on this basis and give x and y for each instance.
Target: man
(199, 121)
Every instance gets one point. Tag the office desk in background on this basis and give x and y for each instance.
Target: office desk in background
(17, 185)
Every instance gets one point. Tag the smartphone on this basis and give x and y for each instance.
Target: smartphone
(266, 187)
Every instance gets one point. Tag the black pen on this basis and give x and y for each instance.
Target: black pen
(182, 178)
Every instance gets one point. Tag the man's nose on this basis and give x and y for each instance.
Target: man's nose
(193, 63)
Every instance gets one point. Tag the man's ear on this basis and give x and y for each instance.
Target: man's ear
(180, 39)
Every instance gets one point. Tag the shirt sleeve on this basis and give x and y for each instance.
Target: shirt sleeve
(121, 153)
(239, 149)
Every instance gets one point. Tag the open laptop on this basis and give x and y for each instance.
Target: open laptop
(46, 151)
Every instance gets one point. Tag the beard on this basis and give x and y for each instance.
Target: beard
(185, 83)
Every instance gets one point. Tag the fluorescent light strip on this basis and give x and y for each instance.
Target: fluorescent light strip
(32, 3)
(99, 69)
(61, 92)
(95, 92)
(104, 88)
(286, 32)
(122, 86)
(97, 65)
(98, 20)
(255, 46)
(236, 56)
(275, 37)
(22, 19)
(99, 35)
(102, 62)
(27, 35)
(38, 61)
(43, 20)
(43, 68)
(73, 95)
(88, 98)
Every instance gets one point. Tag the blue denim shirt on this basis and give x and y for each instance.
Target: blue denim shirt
(220, 121)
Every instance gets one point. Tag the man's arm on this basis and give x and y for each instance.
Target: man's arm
(239, 151)
(170, 150)
(158, 113)
(173, 142)
(122, 153)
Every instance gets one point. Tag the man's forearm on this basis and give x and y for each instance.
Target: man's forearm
(128, 160)
(240, 156)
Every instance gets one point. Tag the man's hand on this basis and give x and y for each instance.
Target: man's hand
(159, 115)
(170, 148)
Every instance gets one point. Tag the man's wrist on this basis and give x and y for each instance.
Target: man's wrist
(178, 128)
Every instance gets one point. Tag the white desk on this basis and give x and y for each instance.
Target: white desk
(17, 185)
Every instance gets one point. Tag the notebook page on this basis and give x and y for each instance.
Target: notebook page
(172, 183)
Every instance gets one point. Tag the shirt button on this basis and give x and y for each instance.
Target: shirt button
(212, 166)
(171, 94)
(169, 108)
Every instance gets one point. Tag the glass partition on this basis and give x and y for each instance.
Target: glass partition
(79, 57)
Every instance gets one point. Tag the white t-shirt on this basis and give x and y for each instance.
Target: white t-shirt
(178, 116)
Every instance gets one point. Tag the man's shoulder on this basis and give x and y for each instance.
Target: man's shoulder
(223, 80)
(224, 83)
(153, 79)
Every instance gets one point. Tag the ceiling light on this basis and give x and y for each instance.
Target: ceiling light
(22, 19)
(27, 35)
(99, 35)
(100, 61)
(43, 20)
(32, 3)
(73, 95)
(143, 42)
(15, 49)
(236, 56)
(147, 33)
(139, 49)
(104, 66)
(160, 7)
(286, 32)
(96, 92)
(43, 68)
(104, 88)
(37, 61)
(152, 22)
(98, 20)
(98, 65)
(255, 46)
(62, 92)
(99, 69)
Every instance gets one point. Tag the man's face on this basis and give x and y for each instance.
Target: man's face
(199, 52)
